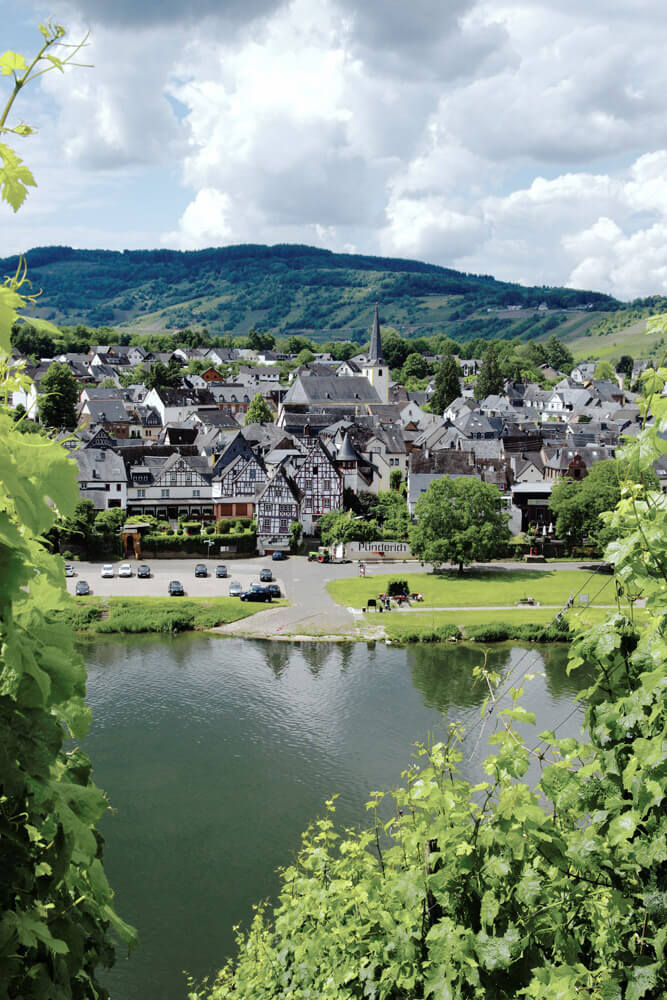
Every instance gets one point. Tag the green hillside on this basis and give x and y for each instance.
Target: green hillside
(290, 289)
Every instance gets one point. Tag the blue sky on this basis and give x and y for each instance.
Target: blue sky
(522, 139)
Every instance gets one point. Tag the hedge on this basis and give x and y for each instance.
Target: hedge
(501, 632)
(246, 542)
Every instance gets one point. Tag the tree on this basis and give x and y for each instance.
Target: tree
(56, 906)
(578, 506)
(58, 398)
(258, 411)
(490, 380)
(459, 521)
(295, 535)
(261, 341)
(336, 527)
(625, 365)
(395, 349)
(32, 343)
(305, 357)
(161, 376)
(558, 355)
(536, 889)
(604, 371)
(447, 385)
(415, 367)
(395, 479)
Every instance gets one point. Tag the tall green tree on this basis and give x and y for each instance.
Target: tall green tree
(160, 376)
(460, 521)
(258, 412)
(447, 384)
(58, 398)
(490, 381)
(558, 355)
(578, 506)
(415, 367)
(56, 906)
(625, 365)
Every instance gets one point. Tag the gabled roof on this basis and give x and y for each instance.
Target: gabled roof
(351, 389)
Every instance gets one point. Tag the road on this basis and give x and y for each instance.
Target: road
(312, 612)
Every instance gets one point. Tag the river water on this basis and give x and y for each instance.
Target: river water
(217, 753)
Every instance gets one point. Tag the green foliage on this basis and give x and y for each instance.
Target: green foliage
(415, 367)
(261, 341)
(289, 290)
(161, 376)
(395, 479)
(58, 398)
(490, 380)
(305, 357)
(295, 535)
(447, 385)
(258, 412)
(56, 906)
(397, 587)
(338, 526)
(578, 506)
(459, 521)
(604, 370)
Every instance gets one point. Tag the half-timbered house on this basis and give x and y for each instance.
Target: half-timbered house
(278, 504)
(319, 481)
(170, 487)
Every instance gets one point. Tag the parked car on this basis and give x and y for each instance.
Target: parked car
(176, 589)
(265, 575)
(82, 588)
(235, 589)
(256, 594)
(124, 569)
(274, 590)
(107, 570)
(69, 570)
(200, 570)
(278, 556)
(221, 571)
(143, 571)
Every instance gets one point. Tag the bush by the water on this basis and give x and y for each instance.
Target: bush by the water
(528, 632)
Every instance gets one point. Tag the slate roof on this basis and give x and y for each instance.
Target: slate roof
(340, 389)
(101, 464)
(104, 411)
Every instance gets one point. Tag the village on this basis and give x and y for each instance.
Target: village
(338, 430)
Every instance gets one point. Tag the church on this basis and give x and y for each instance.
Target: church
(346, 394)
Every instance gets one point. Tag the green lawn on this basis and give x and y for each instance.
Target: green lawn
(480, 589)
(156, 614)
(399, 624)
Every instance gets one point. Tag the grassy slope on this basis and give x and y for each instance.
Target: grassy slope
(399, 624)
(157, 614)
(480, 589)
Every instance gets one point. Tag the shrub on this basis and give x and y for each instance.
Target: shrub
(209, 530)
(66, 554)
(397, 587)
(495, 632)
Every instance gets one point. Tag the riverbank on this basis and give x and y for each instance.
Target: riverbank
(136, 615)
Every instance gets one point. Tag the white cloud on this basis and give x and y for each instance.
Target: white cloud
(526, 139)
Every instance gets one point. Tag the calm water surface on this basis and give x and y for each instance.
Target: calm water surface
(217, 753)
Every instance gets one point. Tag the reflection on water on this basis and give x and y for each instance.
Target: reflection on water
(215, 765)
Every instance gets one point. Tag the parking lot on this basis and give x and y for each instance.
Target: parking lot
(244, 571)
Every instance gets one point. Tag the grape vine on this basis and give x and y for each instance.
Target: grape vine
(57, 922)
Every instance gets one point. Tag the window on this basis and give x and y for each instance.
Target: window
(141, 494)
(196, 493)
(327, 485)
(283, 526)
(253, 473)
(285, 509)
(266, 524)
(164, 493)
(380, 372)
(172, 478)
(118, 487)
(309, 506)
(314, 470)
(188, 478)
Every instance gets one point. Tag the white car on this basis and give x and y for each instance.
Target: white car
(235, 589)
(107, 570)
(69, 570)
(124, 569)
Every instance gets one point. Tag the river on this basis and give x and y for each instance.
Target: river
(217, 753)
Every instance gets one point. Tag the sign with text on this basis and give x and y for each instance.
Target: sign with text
(363, 549)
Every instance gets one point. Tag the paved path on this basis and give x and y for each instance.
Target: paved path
(312, 612)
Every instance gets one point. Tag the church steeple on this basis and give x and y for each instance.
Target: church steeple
(375, 352)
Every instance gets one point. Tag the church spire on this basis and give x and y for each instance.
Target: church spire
(375, 352)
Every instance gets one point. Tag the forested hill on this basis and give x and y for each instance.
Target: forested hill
(288, 288)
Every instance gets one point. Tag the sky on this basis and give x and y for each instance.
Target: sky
(525, 140)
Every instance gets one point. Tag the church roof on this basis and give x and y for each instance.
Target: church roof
(375, 351)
